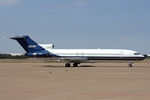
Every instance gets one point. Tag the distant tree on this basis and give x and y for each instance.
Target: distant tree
(8, 56)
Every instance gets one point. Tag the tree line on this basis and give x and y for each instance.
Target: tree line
(9, 56)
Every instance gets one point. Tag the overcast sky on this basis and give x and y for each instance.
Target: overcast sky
(108, 24)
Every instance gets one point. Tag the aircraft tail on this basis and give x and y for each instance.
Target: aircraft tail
(28, 44)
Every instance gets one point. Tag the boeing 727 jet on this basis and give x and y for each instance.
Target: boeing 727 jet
(77, 56)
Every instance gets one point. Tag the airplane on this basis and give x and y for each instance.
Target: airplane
(77, 56)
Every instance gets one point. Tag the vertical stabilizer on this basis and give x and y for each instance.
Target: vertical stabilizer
(28, 44)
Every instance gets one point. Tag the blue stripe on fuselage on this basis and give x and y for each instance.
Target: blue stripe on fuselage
(108, 58)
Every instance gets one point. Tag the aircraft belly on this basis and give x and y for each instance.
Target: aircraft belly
(116, 58)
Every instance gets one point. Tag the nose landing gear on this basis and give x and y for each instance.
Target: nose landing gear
(130, 64)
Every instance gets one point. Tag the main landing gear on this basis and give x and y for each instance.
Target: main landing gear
(67, 65)
(74, 64)
(130, 64)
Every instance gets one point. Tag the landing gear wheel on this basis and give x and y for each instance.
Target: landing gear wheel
(75, 65)
(67, 65)
(130, 65)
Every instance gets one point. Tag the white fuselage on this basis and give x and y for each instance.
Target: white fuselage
(99, 54)
(95, 52)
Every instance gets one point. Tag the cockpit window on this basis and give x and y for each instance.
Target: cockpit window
(136, 53)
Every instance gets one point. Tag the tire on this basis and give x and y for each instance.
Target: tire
(130, 65)
(67, 65)
(75, 65)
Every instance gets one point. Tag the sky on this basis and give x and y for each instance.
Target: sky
(76, 24)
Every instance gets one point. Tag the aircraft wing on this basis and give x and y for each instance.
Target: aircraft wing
(64, 59)
(73, 59)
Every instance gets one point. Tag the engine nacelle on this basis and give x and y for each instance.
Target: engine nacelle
(47, 46)
(42, 53)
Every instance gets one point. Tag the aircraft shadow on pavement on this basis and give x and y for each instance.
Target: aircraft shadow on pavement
(106, 66)
(58, 66)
